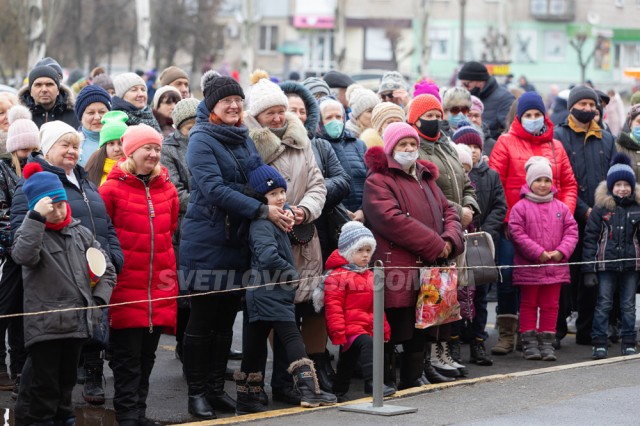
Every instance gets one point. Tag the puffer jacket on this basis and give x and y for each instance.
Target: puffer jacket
(271, 263)
(348, 298)
(514, 149)
(350, 151)
(86, 205)
(497, 101)
(216, 226)
(538, 227)
(628, 146)
(56, 277)
(590, 158)
(410, 218)
(145, 215)
(293, 157)
(452, 179)
(62, 110)
(493, 205)
(612, 232)
(174, 158)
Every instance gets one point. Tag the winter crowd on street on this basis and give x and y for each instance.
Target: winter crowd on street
(130, 209)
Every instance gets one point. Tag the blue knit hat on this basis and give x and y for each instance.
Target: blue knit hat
(39, 184)
(353, 236)
(530, 100)
(264, 178)
(620, 170)
(90, 94)
(467, 135)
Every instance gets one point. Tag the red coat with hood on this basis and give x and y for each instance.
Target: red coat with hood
(348, 301)
(513, 150)
(411, 219)
(145, 217)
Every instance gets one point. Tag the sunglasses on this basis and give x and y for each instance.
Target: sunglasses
(456, 110)
(388, 95)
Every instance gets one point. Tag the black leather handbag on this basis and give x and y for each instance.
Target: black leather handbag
(302, 234)
(480, 258)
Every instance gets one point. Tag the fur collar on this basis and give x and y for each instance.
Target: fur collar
(605, 200)
(270, 146)
(379, 162)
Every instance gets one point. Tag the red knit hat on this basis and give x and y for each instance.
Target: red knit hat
(421, 104)
(136, 136)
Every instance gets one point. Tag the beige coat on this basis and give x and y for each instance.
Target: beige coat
(293, 157)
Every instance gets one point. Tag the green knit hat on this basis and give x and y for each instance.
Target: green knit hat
(114, 124)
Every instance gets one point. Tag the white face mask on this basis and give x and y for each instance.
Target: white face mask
(406, 159)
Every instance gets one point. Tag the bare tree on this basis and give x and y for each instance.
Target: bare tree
(584, 58)
(14, 47)
(206, 33)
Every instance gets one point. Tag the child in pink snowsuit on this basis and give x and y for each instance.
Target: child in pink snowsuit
(543, 231)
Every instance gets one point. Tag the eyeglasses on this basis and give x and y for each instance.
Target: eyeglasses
(230, 101)
(388, 95)
(456, 110)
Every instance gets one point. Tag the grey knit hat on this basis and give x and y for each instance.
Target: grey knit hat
(353, 236)
(184, 110)
(317, 85)
(123, 82)
(392, 80)
(361, 99)
(579, 93)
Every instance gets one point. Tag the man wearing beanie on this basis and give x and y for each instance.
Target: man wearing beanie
(47, 98)
(590, 151)
(176, 77)
(393, 88)
(496, 99)
(317, 87)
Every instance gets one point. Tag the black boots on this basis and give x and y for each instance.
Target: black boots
(216, 396)
(320, 363)
(196, 357)
(479, 354)
(432, 375)
(249, 389)
(93, 391)
(390, 366)
(411, 370)
(306, 381)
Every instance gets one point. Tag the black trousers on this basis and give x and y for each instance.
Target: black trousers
(11, 295)
(133, 353)
(49, 377)
(362, 349)
(213, 313)
(255, 343)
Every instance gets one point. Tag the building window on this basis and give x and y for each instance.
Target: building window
(268, 38)
(440, 43)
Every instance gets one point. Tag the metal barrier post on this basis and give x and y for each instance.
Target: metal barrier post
(378, 407)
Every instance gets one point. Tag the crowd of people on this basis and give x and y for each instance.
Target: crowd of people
(276, 203)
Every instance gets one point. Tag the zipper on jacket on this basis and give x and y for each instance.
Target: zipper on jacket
(453, 174)
(86, 201)
(152, 214)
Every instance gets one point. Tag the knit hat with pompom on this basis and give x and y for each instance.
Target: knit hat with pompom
(23, 132)
(264, 93)
(215, 87)
(354, 236)
(39, 184)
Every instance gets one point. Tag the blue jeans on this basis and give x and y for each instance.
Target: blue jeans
(626, 282)
(507, 294)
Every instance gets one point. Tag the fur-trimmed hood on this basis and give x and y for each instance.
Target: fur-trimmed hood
(65, 96)
(379, 162)
(313, 112)
(606, 200)
(271, 146)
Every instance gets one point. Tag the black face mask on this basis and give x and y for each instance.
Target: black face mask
(475, 91)
(429, 128)
(584, 117)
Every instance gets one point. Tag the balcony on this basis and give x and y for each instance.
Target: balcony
(553, 10)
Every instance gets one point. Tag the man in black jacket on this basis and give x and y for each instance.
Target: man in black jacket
(496, 99)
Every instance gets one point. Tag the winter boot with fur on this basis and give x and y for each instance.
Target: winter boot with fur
(507, 325)
(248, 389)
(547, 351)
(530, 349)
(306, 381)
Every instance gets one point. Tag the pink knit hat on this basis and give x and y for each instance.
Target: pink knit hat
(396, 132)
(136, 136)
(427, 87)
(23, 132)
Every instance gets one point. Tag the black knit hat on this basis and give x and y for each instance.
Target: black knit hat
(579, 93)
(473, 71)
(43, 71)
(336, 79)
(215, 87)
(620, 170)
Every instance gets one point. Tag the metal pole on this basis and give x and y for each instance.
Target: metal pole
(378, 333)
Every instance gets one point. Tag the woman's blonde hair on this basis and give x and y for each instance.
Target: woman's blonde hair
(129, 166)
(15, 162)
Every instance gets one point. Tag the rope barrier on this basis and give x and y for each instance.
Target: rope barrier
(297, 282)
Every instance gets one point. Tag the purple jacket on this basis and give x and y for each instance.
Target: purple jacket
(536, 227)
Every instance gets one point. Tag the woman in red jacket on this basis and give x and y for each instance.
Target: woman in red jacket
(143, 205)
(414, 225)
(531, 134)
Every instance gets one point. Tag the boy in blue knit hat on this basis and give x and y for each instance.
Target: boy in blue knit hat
(52, 248)
(610, 236)
(270, 305)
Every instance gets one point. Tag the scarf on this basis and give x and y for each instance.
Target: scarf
(106, 169)
(281, 131)
(355, 268)
(58, 226)
(538, 199)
